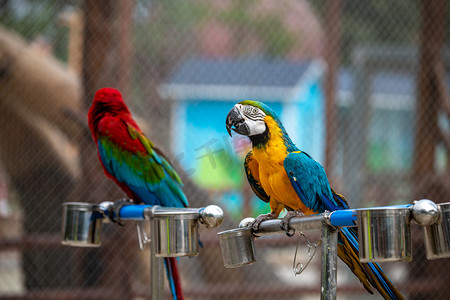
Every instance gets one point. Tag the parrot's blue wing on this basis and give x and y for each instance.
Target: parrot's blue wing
(252, 171)
(310, 181)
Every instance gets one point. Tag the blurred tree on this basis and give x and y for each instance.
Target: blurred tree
(427, 182)
(272, 37)
(383, 28)
(241, 27)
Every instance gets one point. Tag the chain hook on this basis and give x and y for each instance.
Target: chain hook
(298, 267)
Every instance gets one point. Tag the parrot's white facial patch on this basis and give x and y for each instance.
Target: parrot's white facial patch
(256, 127)
(254, 118)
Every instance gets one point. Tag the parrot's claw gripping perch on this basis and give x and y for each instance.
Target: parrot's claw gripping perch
(259, 219)
(287, 219)
(114, 210)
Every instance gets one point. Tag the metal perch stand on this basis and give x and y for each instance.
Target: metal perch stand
(174, 231)
(384, 235)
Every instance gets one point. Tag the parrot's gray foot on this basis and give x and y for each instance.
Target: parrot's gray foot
(113, 211)
(287, 219)
(259, 219)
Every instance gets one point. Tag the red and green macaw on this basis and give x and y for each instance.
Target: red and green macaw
(130, 159)
(285, 177)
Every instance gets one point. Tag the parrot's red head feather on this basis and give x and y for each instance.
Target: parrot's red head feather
(107, 102)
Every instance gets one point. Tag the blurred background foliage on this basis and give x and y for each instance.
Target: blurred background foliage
(361, 85)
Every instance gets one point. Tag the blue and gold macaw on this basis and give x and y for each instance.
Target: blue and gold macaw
(285, 177)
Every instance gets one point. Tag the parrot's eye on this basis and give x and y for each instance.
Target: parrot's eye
(255, 110)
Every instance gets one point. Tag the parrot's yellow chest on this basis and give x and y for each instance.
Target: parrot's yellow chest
(272, 174)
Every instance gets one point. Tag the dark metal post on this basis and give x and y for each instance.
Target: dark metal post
(156, 267)
(329, 262)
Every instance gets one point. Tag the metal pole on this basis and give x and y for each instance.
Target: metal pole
(329, 262)
(156, 267)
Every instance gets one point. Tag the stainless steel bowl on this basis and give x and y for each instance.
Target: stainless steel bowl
(437, 236)
(176, 233)
(384, 234)
(82, 224)
(238, 247)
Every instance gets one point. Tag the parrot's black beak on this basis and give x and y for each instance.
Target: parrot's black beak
(236, 122)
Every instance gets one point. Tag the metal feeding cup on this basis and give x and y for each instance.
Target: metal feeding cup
(384, 234)
(82, 224)
(238, 247)
(437, 236)
(176, 233)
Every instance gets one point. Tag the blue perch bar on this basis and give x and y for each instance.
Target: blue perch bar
(348, 217)
(134, 212)
(343, 217)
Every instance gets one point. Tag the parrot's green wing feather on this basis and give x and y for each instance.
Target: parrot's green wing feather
(252, 171)
(156, 154)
